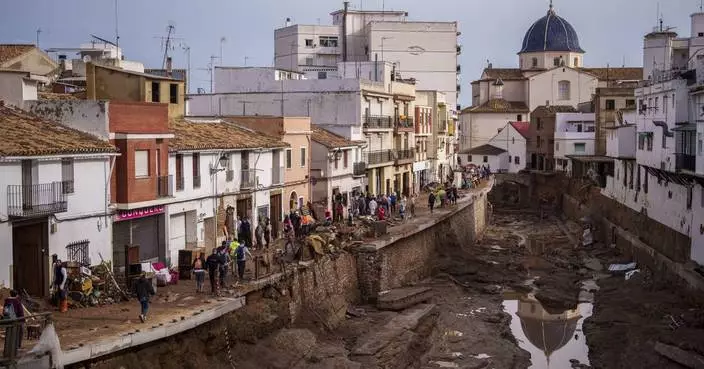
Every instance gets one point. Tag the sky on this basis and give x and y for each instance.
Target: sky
(610, 31)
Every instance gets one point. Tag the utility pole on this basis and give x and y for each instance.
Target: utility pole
(211, 67)
(117, 32)
(222, 41)
(245, 60)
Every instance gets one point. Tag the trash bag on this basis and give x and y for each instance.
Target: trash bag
(49, 342)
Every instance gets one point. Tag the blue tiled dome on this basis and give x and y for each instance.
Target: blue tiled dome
(551, 33)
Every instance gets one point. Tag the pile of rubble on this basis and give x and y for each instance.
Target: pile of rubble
(93, 286)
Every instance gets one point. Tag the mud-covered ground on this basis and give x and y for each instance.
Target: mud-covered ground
(468, 327)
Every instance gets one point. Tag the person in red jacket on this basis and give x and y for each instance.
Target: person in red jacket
(381, 213)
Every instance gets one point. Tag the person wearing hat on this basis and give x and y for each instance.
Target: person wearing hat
(144, 290)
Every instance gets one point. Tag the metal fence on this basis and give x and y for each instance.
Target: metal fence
(78, 251)
(378, 157)
(378, 121)
(36, 200)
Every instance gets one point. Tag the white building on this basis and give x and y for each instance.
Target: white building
(338, 174)
(366, 100)
(16, 87)
(574, 136)
(424, 51)
(505, 152)
(551, 72)
(54, 198)
(221, 171)
(665, 179)
(440, 146)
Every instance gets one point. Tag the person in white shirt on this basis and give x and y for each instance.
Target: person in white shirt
(372, 207)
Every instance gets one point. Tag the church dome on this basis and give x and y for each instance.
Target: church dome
(551, 33)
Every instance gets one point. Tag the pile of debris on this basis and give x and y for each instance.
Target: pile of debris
(93, 286)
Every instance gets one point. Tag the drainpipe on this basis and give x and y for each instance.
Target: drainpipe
(344, 30)
(113, 159)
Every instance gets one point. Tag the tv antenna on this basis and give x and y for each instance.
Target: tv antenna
(167, 44)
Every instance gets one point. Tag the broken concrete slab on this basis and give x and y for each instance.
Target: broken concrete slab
(682, 357)
(403, 298)
(593, 264)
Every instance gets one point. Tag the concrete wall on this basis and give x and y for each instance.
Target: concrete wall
(85, 115)
(15, 89)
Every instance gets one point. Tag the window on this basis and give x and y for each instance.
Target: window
(649, 142)
(689, 197)
(563, 90)
(470, 160)
(328, 41)
(141, 163)
(610, 104)
(67, 175)
(173, 93)
(309, 42)
(303, 157)
(538, 141)
(657, 103)
(179, 172)
(155, 92)
(556, 62)
(557, 146)
(196, 170)
(485, 159)
(534, 62)
(540, 124)
(337, 160)
(509, 158)
(630, 103)
(513, 140)
(516, 160)
(289, 159)
(641, 142)
(322, 75)
(519, 118)
(580, 147)
(673, 100)
(576, 62)
(630, 173)
(309, 61)
(645, 181)
(345, 158)
(638, 179)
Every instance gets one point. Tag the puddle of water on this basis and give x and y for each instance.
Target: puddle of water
(552, 339)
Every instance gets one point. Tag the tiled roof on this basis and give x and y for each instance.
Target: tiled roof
(503, 73)
(55, 96)
(329, 139)
(11, 51)
(615, 74)
(217, 134)
(23, 134)
(552, 109)
(486, 150)
(521, 127)
(499, 106)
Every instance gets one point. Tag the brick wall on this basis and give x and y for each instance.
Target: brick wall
(138, 117)
(126, 188)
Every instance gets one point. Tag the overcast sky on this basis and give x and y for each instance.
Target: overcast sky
(609, 30)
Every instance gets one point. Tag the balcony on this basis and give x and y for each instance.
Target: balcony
(277, 175)
(377, 122)
(248, 179)
(196, 182)
(163, 186)
(686, 162)
(29, 201)
(379, 157)
(179, 183)
(359, 169)
(404, 124)
(405, 156)
(442, 127)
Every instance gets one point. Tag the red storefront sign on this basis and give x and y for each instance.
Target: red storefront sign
(139, 213)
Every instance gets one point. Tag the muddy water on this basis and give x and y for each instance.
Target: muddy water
(553, 339)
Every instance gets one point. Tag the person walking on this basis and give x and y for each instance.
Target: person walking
(267, 232)
(224, 260)
(246, 231)
(212, 264)
(402, 207)
(412, 206)
(59, 285)
(199, 271)
(144, 290)
(431, 201)
(259, 233)
(242, 253)
(392, 203)
(372, 207)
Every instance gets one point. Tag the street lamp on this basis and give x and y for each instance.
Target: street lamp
(222, 164)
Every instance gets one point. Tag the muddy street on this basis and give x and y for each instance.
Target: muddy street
(523, 297)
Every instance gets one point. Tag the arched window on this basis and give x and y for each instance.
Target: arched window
(563, 90)
(576, 62)
(534, 62)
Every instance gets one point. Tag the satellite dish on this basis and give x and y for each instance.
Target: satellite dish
(86, 58)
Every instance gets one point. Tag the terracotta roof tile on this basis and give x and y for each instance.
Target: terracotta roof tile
(217, 134)
(11, 51)
(55, 96)
(24, 134)
(521, 127)
(329, 139)
(503, 73)
(484, 150)
(552, 109)
(499, 106)
(615, 74)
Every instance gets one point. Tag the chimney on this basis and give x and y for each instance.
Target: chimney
(168, 66)
(288, 22)
(346, 6)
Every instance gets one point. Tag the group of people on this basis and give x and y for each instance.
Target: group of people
(383, 206)
(472, 176)
(262, 232)
(442, 196)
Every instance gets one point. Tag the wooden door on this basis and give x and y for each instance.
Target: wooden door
(30, 252)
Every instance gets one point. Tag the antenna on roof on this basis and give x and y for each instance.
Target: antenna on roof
(117, 32)
(39, 30)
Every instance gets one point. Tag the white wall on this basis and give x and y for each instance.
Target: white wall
(515, 144)
(495, 162)
(565, 143)
(290, 48)
(621, 142)
(482, 127)
(544, 87)
(15, 90)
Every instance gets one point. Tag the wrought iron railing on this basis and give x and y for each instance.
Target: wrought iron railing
(359, 168)
(79, 252)
(36, 200)
(378, 157)
(407, 154)
(163, 186)
(377, 122)
(248, 179)
(404, 123)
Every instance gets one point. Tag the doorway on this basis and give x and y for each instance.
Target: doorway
(30, 254)
(244, 208)
(276, 218)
